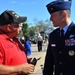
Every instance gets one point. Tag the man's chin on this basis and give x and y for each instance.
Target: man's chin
(55, 25)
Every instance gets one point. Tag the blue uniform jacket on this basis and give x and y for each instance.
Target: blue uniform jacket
(60, 57)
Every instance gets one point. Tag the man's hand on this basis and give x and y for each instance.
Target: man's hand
(26, 68)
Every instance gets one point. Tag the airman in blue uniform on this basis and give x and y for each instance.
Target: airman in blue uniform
(60, 56)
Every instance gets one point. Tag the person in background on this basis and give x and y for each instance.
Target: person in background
(46, 39)
(60, 56)
(35, 38)
(13, 60)
(27, 46)
(39, 42)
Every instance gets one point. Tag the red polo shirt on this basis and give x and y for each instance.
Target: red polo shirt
(11, 51)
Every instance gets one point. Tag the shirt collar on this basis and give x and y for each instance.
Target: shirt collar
(66, 27)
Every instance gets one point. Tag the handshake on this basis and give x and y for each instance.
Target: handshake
(34, 61)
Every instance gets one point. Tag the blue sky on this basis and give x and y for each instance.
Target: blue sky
(31, 8)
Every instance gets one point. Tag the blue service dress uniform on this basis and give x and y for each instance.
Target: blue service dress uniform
(60, 57)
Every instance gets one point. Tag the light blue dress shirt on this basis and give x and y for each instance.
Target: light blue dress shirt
(66, 28)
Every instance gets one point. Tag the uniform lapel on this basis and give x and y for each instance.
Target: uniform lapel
(57, 37)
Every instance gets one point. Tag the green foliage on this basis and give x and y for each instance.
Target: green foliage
(25, 28)
(38, 26)
(31, 31)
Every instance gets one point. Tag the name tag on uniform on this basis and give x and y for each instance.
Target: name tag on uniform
(53, 45)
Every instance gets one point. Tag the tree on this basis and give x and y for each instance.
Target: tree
(49, 24)
(42, 25)
(39, 25)
(25, 28)
(31, 31)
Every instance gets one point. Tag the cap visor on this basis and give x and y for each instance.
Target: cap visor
(22, 19)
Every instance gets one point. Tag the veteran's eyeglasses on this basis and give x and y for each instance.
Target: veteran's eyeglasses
(16, 25)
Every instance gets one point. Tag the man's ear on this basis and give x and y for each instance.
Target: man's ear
(64, 14)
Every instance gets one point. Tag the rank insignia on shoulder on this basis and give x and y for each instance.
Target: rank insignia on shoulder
(71, 53)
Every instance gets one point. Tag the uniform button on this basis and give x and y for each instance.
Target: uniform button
(60, 52)
(61, 73)
(60, 63)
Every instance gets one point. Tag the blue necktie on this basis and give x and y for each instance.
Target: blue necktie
(62, 39)
(62, 33)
